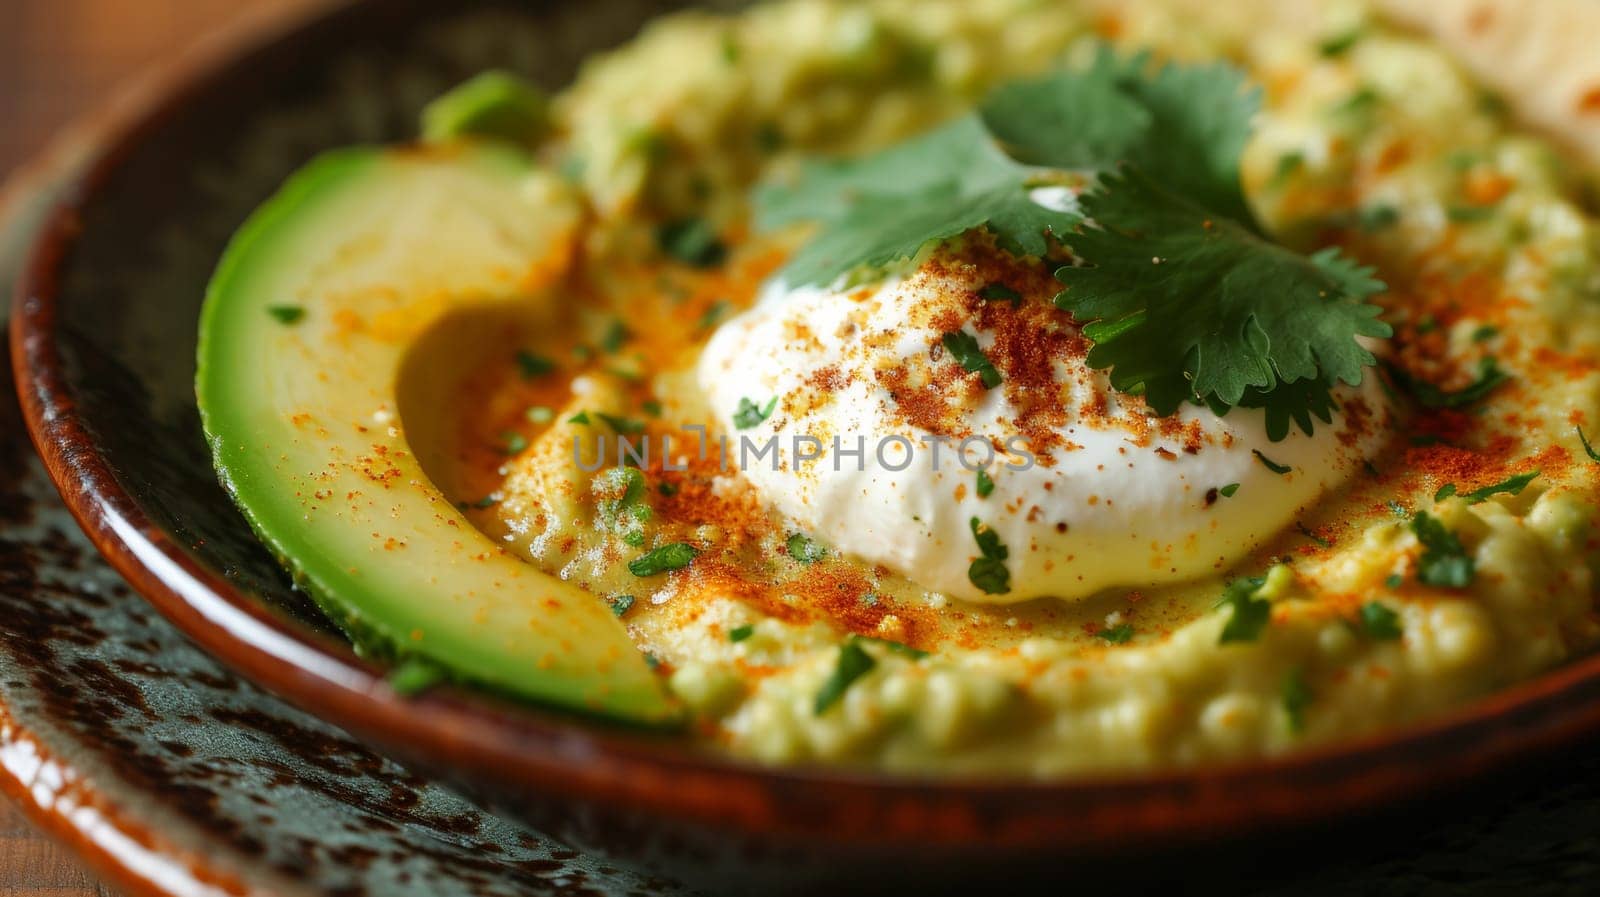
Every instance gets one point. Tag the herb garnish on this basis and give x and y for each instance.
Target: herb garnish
(1165, 142)
(1428, 395)
(1587, 448)
(985, 483)
(1297, 697)
(1339, 43)
(620, 604)
(740, 633)
(1394, 581)
(671, 556)
(1275, 467)
(805, 549)
(530, 365)
(1445, 491)
(1485, 333)
(582, 417)
(988, 571)
(286, 314)
(749, 414)
(853, 663)
(1250, 614)
(999, 292)
(711, 315)
(896, 647)
(513, 443)
(963, 347)
(1444, 561)
(1228, 490)
(620, 506)
(540, 414)
(1509, 486)
(1379, 622)
(692, 241)
(1118, 634)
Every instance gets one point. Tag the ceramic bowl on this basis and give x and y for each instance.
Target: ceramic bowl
(103, 343)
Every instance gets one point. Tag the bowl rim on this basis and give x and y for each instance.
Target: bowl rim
(554, 754)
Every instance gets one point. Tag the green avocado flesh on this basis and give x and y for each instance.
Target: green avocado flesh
(309, 327)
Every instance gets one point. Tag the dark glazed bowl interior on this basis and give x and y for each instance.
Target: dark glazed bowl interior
(104, 347)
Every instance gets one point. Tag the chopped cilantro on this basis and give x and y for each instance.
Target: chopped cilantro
(582, 417)
(749, 414)
(1379, 622)
(620, 604)
(769, 137)
(963, 347)
(1394, 580)
(1428, 395)
(1444, 562)
(1427, 324)
(999, 292)
(616, 335)
(652, 661)
(1275, 467)
(488, 501)
(414, 675)
(1360, 103)
(1297, 697)
(1250, 614)
(651, 407)
(286, 314)
(740, 633)
(620, 505)
(730, 48)
(625, 426)
(1509, 486)
(513, 443)
(1587, 448)
(1396, 508)
(1445, 491)
(988, 571)
(805, 549)
(540, 414)
(667, 489)
(530, 365)
(1228, 490)
(1118, 634)
(672, 556)
(896, 647)
(985, 484)
(692, 241)
(1485, 333)
(853, 663)
(1339, 44)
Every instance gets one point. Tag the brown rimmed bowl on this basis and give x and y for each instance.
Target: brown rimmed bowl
(103, 335)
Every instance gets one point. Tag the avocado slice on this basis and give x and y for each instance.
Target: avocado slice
(309, 329)
(492, 104)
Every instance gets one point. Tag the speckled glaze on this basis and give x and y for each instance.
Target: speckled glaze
(103, 339)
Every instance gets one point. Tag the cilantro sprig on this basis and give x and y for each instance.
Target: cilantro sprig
(1183, 293)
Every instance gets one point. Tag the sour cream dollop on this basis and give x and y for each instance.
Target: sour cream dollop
(879, 426)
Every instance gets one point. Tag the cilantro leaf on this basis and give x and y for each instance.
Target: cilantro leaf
(1118, 634)
(988, 572)
(805, 549)
(985, 483)
(963, 347)
(1379, 622)
(1188, 305)
(1429, 395)
(853, 663)
(672, 556)
(1587, 448)
(749, 414)
(1250, 614)
(1510, 486)
(1444, 561)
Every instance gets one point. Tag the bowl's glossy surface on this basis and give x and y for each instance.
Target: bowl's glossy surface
(103, 341)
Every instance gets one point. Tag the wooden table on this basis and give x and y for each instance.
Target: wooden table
(58, 59)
